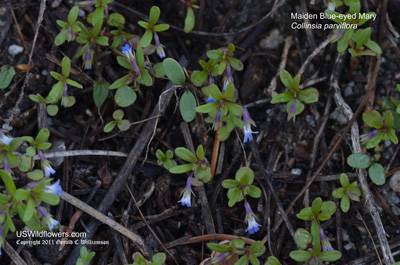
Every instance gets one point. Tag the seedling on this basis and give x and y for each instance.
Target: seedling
(295, 97)
(382, 128)
(122, 124)
(249, 254)
(165, 159)
(7, 74)
(190, 17)
(346, 193)
(376, 171)
(69, 29)
(85, 257)
(120, 37)
(157, 259)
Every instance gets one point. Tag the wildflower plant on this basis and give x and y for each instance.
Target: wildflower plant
(238, 189)
(313, 253)
(272, 261)
(122, 124)
(376, 171)
(359, 39)
(85, 257)
(157, 259)
(97, 15)
(26, 201)
(190, 17)
(69, 29)
(152, 29)
(165, 159)
(346, 193)
(295, 98)
(120, 37)
(319, 211)
(249, 254)
(60, 89)
(382, 128)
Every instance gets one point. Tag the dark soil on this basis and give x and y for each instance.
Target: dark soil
(286, 148)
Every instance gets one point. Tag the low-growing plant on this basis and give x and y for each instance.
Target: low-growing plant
(157, 259)
(69, 29)
(249, 254)
(376, 171)
(122, 124)
(346, 193)
(295, 98)
(165, 159)
(85, 257)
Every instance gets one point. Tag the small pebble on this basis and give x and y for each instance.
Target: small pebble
(272, 41)
(296, 171)
(348, 91)
(44, 72)
(15, 49)
(394, 182)
(395, 199)
(396, 210)
(310, 120)
(338, 116)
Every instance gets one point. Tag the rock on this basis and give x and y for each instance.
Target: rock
(338, 116)
(296, 171)
(272, 41)
(394, 182)
(15, 49)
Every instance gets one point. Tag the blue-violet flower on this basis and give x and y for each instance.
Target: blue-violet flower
(159, 47)
(55, 188)
(47, 219)
(253, 226)
(326, 245)
(5, 139)
(187, 192)
(247, 126)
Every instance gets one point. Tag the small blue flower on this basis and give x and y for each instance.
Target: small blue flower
(210, 99)
(248, 133)
(159, 47)
(331, 6)
(47, 219)
(326, 245)
(228, 79)
(64, 99)
(127, 51)
(252, 225)
(6, 165)
(187, 192)
(368, 136)
(292, 111)
(217, 121)
(45, 165)
(55, 188)
(338, 34)
(88, 59)
(5, 139)
(220, 257)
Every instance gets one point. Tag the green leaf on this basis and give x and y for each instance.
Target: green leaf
(235, 63)
(230, 184)
(140, 57)
(300, 255)
(22, 194)
(235, 109)
(66, 66)
(305, 214)
(143, 24)
(124, 125)
(35, 175)
(49, 198)
(343, 41)
(286, 79)
(73, 83)
(377, 174)
(44, 146)
(125, 96)
(30, 209)
(245, 173)
(161, 27)
(372, 119)
(52, 110)
(376, 140)
(345, 203)
(26, 163)
(215, 92)
(154, 15)
(360, 161)
(109, 126)
(116, 20)
(389, 119)
(181, 169)
(338, 193)
(124, 63)
(257, 248)
(254, 192)
(158, 69)
(145, 78)
(215, 54)
(146, 38)
(187, 106)
(283, 97)
(330, 255)
(61, 37)
(200, 152)
(118, 114)
(242, 261)
(159, 258)
(272, 261)
(303, 238)
(316, 205)
(207, 108)
(13, 160)
(253, 260)
(328, 207)
(15, 143)
(100, 93)
(102, 41)
(392, 136)
(315, 236)
(363, 35)
(120, 82)
(185, 154)
(220, 248)
(234, 196)
(42, 136)
(7, 73)
(189, 20)
(309, 95)
(344, 180)
(174, 71)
